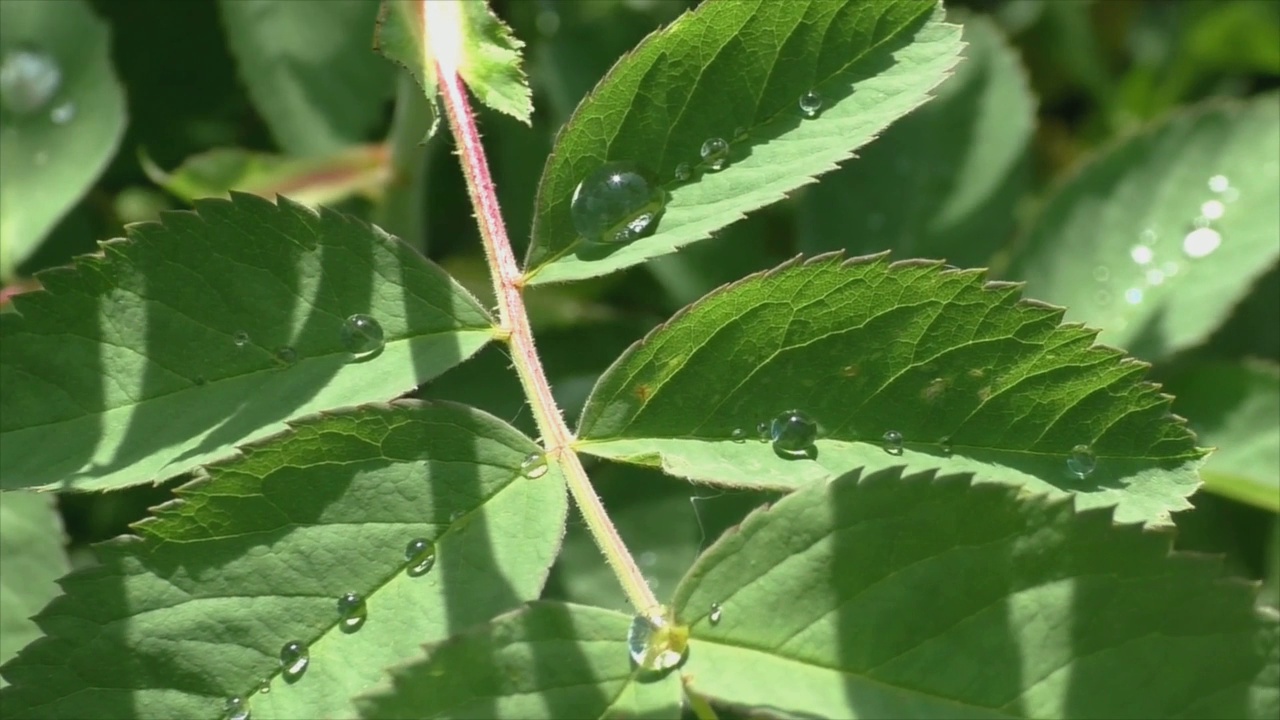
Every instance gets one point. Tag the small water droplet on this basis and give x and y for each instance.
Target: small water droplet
(1101, 273)
(352, 612)
(534, 465)
(29, 79)
(715, 153)
(199, 380)
(683, 172)
(362, 335)
(738, 435)
(1133, 295)
(234, 708)
(762, 432)
(654, 643)
(793, 433)
(1213, 209)
(1219, 183)
(892, 442)
(63, 114)
(294, 658)
(1081, 462)
(1141, 254)
(617, 203)
(810, 104)
(286, 355)
(945, 443)
(264, 686)
(240, 339)
(419, 557)
(1200, 242)
(714, 616)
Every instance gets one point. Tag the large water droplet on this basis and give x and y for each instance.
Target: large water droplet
(294, 658)
(352, 612)
(1200, 242)
(714, 615)
(234, 708)
(715, 153)
(534, 466)
(618, 203)
(810, 104)
(286, 355)
(28, 80)
(892, 442)
(240, 339)
(419, 557)
(683, 172)
(738, 435)
(655, 644)
(793, 434)
(362, 335)
(1081, 462)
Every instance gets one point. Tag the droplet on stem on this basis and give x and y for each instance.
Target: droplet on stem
(654, 643)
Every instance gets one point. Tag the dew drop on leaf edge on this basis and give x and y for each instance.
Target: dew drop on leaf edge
(793, 434)
(352, 612)
(810, 104)
(892, 441)
(715, 153)
(534, 465)
(738, 435)
(29, 80)
(234, 708)
(286, 355)
(362, 335)
(295, 656)
(684, 173)
(1081, 462)
(654, 643)
(618, 203)
(419, 557)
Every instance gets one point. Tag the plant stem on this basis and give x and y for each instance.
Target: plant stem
(508, 285)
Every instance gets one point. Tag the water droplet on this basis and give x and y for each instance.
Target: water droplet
(683, 172)
(240, 339)
(617, 203)
(810, 104)
(235, 709)
(28, 81)
(945, 443)
(892, 441)
(1212, 209)
(199, 380)
(1081, 461)
(1141, 254)
(419, 557)
(264, 686)
(762, 432)
(1200, 242)
(362, 335)
(715, 153)
(1219, 183)
(294, 658)
(286, 355)
(793, 434)
(1101, 273)
(352, 612)
(739, 133)
(655, 644)
(714, 616)
(63, 114)
(534, 466)
(1133, 295)
(738, 435)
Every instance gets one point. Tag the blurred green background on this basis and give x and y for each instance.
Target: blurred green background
(192, 74)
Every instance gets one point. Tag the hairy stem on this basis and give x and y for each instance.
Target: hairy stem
(508, 285)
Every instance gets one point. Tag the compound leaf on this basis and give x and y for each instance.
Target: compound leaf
(210, 329)
(197, 608)
(737, 71)
(972, 378)
(919, 596)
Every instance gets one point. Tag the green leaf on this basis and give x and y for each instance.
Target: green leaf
(731, 65)
(1120, 244)
(132, 366)
(310, 180)
(310, 70)
(974, 380)
(257, 554)
(52, 150)
(1234, 407)
(546, 660)
(488, 54)
(32, 556)
(931, 598)
(943, 182)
